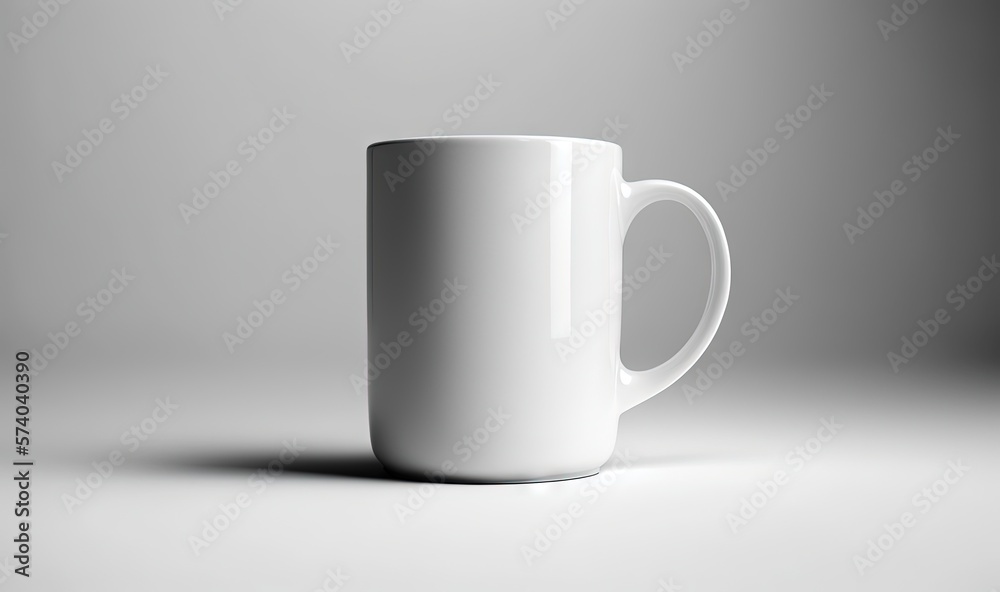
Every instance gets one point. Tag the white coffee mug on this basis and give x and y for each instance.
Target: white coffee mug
(494, 318)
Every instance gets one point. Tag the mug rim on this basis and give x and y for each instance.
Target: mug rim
(492, 137)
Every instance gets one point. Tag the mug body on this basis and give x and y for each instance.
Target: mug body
(494, 307)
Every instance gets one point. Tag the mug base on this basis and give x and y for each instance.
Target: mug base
(439, 477)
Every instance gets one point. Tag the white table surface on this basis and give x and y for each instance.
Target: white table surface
(661, 523)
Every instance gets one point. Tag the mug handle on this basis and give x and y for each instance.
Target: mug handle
(636, 386)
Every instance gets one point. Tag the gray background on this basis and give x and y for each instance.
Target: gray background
(60, 241)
